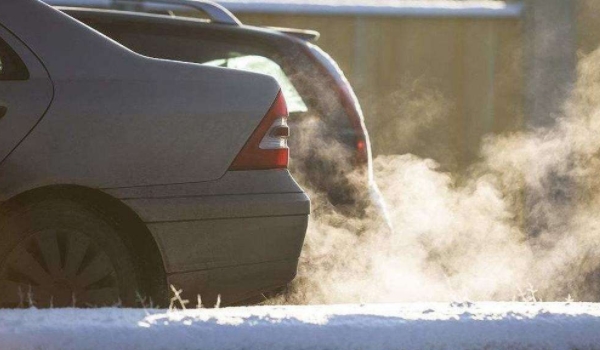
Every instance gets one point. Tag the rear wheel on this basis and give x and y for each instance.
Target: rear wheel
(58, 253)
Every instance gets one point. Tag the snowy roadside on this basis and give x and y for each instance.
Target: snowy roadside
(545, 326)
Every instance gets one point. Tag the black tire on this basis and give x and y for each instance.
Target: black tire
(59, 253)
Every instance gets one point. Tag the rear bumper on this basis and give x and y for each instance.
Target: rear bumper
(236, 257)
(235, 284)
(229, 244)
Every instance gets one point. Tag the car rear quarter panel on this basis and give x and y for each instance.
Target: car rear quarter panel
(119, 119)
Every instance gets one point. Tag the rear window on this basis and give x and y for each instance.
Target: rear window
(263, 65)
(11, 66)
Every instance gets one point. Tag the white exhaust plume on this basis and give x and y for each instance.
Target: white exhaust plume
(523, 224)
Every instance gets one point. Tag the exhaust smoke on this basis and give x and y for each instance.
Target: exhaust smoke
(522, 224)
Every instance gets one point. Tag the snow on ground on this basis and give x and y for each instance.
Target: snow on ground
(437, 326)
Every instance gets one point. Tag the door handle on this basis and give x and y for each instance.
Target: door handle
(3, 110)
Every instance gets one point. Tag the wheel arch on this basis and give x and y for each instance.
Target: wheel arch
(133, 232)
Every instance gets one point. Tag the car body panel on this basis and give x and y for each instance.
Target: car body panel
(236, 237)
(193, 245)
(233, 182)
(26, 101)
(235, 284)
(111, 123)
(244, 218)
(220, 207)
(235, 246)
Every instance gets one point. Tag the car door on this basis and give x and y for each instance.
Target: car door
(25, 91)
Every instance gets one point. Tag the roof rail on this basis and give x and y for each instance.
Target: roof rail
(215, 12)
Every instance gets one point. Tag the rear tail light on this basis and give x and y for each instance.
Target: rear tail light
(353, 111)
(362, 151)
(267, 147)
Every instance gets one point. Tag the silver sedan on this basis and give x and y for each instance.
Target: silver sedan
(122, 175)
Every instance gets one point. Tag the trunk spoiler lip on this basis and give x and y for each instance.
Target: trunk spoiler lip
(304, 34)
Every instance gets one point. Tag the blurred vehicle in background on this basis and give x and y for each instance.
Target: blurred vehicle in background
(331, 150)
(124, 174)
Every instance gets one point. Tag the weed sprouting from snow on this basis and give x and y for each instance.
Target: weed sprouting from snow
(176, 300)
(30, 300)
(529, 295)
(144, 301)
(178, 303)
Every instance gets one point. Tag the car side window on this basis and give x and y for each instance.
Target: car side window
(11, 65)
(260, 64)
